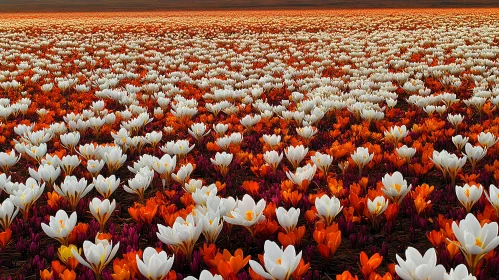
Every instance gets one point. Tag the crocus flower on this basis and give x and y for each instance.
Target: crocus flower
(377, 206)
(361, 157)
(106, 186)
(205, 275)
(114, 159)
(279, 264)
(296, 154)
(98, 255)
(7, 213)
(417, 267)
(73, 190)
(493, 198)
(182, 235)
(70, 140)
(459, 273)
(474, 154)
(212, 225)
(69, 163)
(475, 240)
(155, 266)
(60, 226)
(222, 161)
(469, 195)
(328, 208)
(247, 213)
(272, 140)
(396, 133)
(395, 187)
(102, 210)
(272, 158)
(322, 161)
(7, 160)
(140, 182)
(164, 166)
(288, 218)
(198, 131)
(26, 195)
(459, 141)
(487, 140)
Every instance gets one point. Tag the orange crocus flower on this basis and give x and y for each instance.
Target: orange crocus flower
(369, 265)
(229, 265)
(292, 198)
(5, 237)
(121, 270)
(346, 275)
(436, 238)
(45, 274)
(251, 187)
(300, 269)
(68, 275)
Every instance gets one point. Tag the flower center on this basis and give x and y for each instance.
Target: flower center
(249, 215)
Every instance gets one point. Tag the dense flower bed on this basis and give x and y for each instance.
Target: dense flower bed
(250, 145)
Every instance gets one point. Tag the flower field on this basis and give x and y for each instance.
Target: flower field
(348, 144)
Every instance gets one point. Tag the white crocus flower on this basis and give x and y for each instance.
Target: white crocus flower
(493, 198)
(395, 187)
(272, 158)
(114, 159)
(469, 195)
(155, 266)
(205, 275)
(459, 273)
(377, 206)
(361, 157)
(396, 133)
(246, 212)
(70, 140)
(73, 190)
(212, 225)
(475, 240)
(405, 153)
(60, 226)
(198, 131)
(7, 213)
(7, 160)
(102, 210)
(302, 174)
(278, 263)
(459, 141)
(417, 267)
(140, 182)
(183, 174)
(322, 161)
(95, 166)
(272, 140)
(69, 163)
(106, 186)
(164, 166)
(328, 208)
(49, 173)
(37, 152)
(288, 218)
(183, 235)
(487, 140)
(222, 161)
(24, 196)
(296, 154)
(474, 154)
(98, 255)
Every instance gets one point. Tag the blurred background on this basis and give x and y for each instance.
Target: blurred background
(148, 5)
